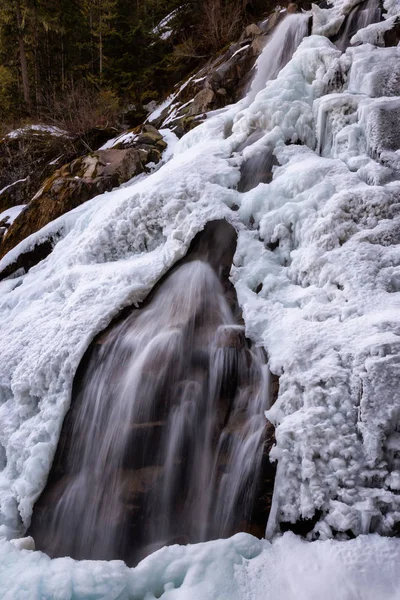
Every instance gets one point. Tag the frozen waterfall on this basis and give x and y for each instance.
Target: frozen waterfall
(306, 171)
(165, 438)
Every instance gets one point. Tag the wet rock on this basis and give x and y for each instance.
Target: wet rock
(230, 337)
(139, 481)
(252, 31)
(202, 102)
(292, 8)
(392, 36)
(257, 45)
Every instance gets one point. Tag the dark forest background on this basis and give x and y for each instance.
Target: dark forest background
(78, 63)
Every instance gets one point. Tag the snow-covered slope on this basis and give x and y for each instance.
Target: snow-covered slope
(317, 275)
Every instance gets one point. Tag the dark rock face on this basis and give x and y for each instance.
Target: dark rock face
(14, 194)
(392, 37)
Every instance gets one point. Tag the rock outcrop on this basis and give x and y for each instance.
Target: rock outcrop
(26, 159)
(221, 81)
(75, 183)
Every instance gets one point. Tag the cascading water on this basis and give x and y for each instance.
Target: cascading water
(167, 432)
(361, 16)
(257, 168)
(281, 48)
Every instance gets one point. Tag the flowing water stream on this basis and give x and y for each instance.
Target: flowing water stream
(361, 16)
(280, 49)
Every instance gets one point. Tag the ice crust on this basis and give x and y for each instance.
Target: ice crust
(240, 568)
(320, 242)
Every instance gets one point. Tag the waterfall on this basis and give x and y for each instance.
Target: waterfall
(167, 430)
(279, 50)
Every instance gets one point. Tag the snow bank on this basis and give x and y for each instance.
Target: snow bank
(240, 568)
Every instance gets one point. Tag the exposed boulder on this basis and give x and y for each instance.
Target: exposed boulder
(147, 139)
(202, 101)
(151, 136)
(252, 31)
(292, 8)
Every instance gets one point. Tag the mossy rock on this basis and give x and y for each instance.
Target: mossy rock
(69, 187)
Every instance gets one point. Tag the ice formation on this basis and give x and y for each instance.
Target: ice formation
(317, 275)
(239, 568)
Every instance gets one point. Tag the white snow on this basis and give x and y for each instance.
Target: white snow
(12, 213)
(235, 53)
(320, 240)
(51, 129)
(168, 103)
(171, 140)
(123, 139)
(163, 30)
(55, 160)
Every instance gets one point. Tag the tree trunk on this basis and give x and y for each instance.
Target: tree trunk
(22, 58)
(100, 45)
